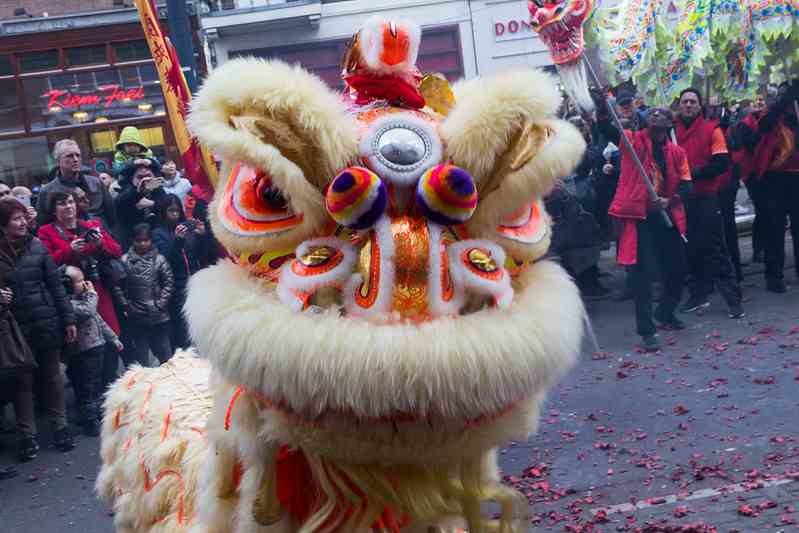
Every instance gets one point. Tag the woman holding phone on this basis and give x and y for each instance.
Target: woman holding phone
(186, 244)
(84, 244)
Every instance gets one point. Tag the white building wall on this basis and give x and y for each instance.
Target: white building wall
(504, 38)
(494, 34)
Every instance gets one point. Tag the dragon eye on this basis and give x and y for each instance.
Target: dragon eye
(269, 194)
(539, 3)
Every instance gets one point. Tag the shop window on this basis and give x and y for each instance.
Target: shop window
(10, 110)
(130, 76)
(6, 67)
(152, 137)
(24, 161)
(38, 61)
(148, 73)
(106, 77)
(132, 50)
(86, 55)
(62, 81)
(103, 141)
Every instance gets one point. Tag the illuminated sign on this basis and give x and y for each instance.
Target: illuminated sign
(105, 96)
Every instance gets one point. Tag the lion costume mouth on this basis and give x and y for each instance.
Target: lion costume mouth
(350, 381)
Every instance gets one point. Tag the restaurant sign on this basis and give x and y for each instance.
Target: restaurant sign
(104, 97)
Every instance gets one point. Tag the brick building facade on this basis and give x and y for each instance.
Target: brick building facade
(82, 72)
(38, 8)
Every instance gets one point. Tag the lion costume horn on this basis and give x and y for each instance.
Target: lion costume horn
(387, 319)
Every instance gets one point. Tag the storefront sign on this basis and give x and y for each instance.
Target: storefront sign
(104, 96)
(511, 29)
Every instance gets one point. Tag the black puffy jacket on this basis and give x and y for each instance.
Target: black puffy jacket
(40, 303)
(148, 287)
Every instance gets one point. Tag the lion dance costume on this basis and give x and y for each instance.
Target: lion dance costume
(385, 322)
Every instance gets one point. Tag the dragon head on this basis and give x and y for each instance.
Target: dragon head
(559, 24)
(386, 296)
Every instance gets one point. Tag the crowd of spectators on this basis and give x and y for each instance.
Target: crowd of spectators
(93, 274)
(697, 155)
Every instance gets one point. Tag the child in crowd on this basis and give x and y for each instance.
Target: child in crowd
(129, 148)
(149, 288)
(84, 368)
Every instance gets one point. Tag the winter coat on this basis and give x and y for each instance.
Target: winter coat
(148, 287)
(101, 205)
(129, 214)
(58, 240)
(178, 185)
(40, 303)
(129, 135)
(186, 256)
(631, 202)
(93, 331)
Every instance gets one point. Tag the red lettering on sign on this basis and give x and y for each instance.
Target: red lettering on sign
(499, 29)
(513, 26)
(526, 25)
(106, 95)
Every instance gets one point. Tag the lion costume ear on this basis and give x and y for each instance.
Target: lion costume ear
(503, 131)
(271, 122)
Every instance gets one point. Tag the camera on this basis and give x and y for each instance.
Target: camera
(91, 269)
(93, 235)
(191, 225)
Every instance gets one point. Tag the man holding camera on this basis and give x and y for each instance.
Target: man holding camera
(68, 176)
(142, 188)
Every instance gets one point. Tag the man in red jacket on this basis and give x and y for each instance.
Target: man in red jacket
(708, 256)
(645, 240)
(776, 167)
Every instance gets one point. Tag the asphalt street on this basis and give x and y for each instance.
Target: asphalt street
(701, 437)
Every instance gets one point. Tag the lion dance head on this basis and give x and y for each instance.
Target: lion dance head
(387, 318)
(559, 24)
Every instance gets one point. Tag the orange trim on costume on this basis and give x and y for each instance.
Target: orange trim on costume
(396, 45)
(374, 276)
(118, 419)
(447, 288)
(526, 229)
(146, 403)
(150, 485)
(239, 220)
(167, 420)
(233, 399)
(238, 473)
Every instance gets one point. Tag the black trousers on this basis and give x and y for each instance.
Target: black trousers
(708, 259)
(151, 337)
(782, 202)
(761, 226)
(727, 203)
(179, 333)
(85, 373)
(660, 250)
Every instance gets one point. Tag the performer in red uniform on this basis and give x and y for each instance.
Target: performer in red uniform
(645, 241)
(708, 158)
(776, 163)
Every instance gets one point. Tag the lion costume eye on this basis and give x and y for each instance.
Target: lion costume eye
(252, 205)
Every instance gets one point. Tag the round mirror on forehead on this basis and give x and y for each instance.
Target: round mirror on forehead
(402, 146)
(399, 147)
